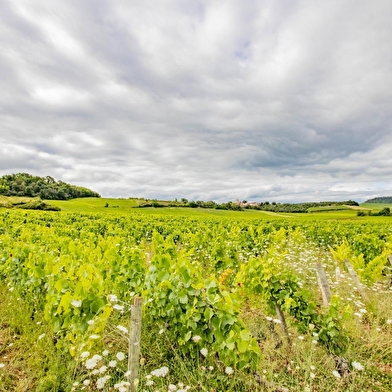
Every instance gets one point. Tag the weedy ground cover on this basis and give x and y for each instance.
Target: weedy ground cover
(210, 285)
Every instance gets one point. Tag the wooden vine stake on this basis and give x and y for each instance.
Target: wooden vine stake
(323, 284)
(390, 269)
(337, 274)
(134, 344)
(280, 315)
(355, 278)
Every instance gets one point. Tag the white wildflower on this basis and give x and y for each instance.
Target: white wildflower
(102, 381)
(118, 307)
(149, 383)
(357, 365)
(112, 364)
(389, 321)
(86, 382)
(336, 374)
(171, 388)
(105, 353)
(204, 352)
(103, 369)
(161, 372)
(112, 298)
(2, 365)
(84, 354)
(229, 370)
(196, 338)
(92, 362)
(77, 303)
(120, 356)
(122, 329)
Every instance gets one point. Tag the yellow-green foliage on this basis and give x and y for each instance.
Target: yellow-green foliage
(368, 272)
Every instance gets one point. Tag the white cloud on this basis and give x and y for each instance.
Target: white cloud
(200, 99)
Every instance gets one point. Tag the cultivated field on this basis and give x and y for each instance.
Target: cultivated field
(218, 288)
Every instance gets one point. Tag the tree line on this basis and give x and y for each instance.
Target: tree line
(46, 188)
(243, 205)
(380, 200)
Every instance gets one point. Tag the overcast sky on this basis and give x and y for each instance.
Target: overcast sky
(259, 100)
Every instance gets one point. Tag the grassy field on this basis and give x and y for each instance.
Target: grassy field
(8, 202)
(130, 206)
(124, 206)
(375, 206)
(328, 208)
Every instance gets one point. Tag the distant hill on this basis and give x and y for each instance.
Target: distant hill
(380, 200)
(46, 188)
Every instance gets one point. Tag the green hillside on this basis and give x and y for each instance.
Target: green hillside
(26, 203)
(24, 184)
(380, 200)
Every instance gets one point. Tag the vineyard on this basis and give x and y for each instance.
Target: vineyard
(229, 304)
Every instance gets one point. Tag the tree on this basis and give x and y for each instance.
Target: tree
(385, 212)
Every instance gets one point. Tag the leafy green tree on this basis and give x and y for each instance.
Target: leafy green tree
(385, 212)
(24, 184)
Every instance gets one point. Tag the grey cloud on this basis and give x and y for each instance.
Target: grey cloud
(200, 99)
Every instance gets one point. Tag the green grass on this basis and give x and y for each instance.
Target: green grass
(375, 206)
(328, 208)
(125, 206)
(10, 201)
(31, 360)
(129, 206)
(94, 204)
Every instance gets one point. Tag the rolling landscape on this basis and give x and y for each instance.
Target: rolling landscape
(231, 294)
(195, 196)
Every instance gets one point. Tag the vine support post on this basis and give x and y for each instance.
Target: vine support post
(280, 315)
(390, 269)
(355, 278)
(337, 274)
(323, 284)
(134, 344)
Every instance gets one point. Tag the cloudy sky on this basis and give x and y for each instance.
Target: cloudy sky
(278, 100)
